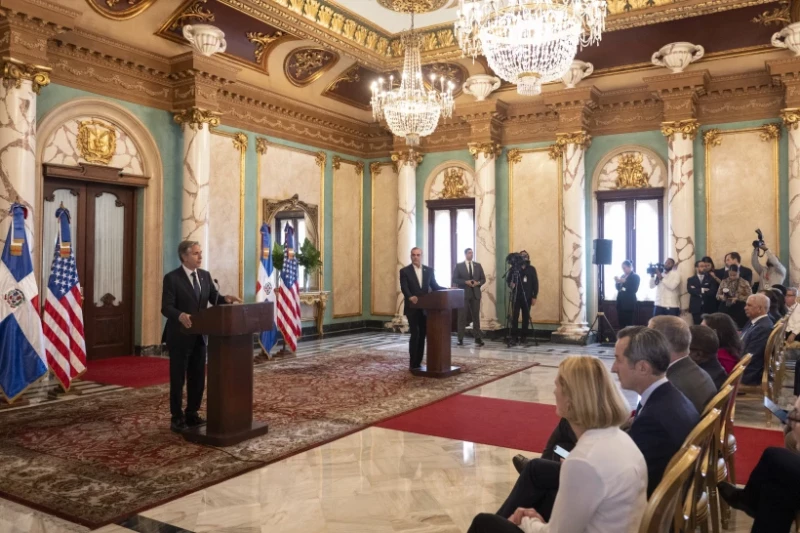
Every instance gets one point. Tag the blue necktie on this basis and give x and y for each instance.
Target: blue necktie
(196, 286)
(638, 408)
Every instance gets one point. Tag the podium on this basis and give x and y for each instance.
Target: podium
(439, 306)
(229, 394)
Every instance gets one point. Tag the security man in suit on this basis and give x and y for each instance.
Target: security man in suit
(469, 277)
(702, 289)
(416, 280)
(187, 290)
(525, 298)
(627, 287)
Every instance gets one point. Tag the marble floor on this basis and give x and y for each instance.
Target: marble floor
(373, 481)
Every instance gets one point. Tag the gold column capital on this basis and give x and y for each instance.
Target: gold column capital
(407, 157)
(196, 118)
(580, 138)
(15, 72)
(489, 150)
(791, 117)
(688, 128)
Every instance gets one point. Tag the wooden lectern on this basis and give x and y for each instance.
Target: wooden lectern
(439, 306)
(229, 397)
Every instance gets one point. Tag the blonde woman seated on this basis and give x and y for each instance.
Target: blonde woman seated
(603, 481)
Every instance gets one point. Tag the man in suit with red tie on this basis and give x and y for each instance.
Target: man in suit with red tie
(187, 290)
(416, 280)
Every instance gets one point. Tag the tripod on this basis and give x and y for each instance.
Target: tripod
(600, 319)
(516, 291)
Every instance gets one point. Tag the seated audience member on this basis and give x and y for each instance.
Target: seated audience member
(734, 258)
(601, 485)
(793, 322)
(732, 294)
(770, 274)
(730, 343)
(772, 494)
(683, 372)
(754, 337)
(703, 351)
(777, 304)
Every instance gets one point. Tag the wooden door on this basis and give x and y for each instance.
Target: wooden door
(103, 236)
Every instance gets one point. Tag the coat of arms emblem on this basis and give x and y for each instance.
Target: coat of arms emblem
(14, 298)
(97, 141)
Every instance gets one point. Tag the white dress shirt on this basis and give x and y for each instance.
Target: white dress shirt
(189, 275)
(793, 322)
(418, 271)
(602, 487)
(649, 390)
(668, 290)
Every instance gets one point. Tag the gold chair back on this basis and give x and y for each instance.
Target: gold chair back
(659, 515)
(714, 464)
(702, 436)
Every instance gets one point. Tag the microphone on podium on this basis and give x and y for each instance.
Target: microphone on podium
(216, 284)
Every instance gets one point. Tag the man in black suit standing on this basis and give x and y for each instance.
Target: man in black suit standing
(469, 277)
(523, 296)
(755, 334)
(702, 292)
(733, 258)
(416, 280)
(627, 287)
(187, 290)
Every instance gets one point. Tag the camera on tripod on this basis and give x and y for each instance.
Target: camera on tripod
(655, 268)
(515, 261)
(758, 243)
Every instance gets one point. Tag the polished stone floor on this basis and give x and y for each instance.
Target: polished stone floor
(373, 481)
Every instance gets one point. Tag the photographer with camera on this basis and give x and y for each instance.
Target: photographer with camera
(774, 272)
(524, 286)
(733, 293)
(667, 281)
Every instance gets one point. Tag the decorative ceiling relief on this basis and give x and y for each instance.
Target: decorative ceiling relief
(120, 9)
(413, 6)
(192, 12)
(352, 87)
(452, 72)
(304, 66)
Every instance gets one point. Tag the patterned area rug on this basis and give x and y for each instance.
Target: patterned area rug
(99, 460)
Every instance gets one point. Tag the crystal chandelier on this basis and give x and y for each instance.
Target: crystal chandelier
(529, 42)
(410, 109)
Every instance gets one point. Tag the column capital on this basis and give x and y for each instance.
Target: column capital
(197, 80)
(15, 72)
(791, 117)
(580, 138)
(408, 157)
(489, 150)
(196, 118)
(679, 92)
(688, 128)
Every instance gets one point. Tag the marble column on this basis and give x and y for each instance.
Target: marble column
(572, 148)
(18, 93)
(791, 118)
(680, 201)
(485, 155)
(196, 125)
(406, 162)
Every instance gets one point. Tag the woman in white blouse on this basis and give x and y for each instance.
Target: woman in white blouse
(603, 482)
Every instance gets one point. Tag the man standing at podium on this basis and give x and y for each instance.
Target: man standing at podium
(416, 280)
(187, 290)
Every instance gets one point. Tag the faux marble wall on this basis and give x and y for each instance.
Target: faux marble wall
(384, 239)
(284, 172)
(534, 225)
(741, 194)
(347, 237)
(224, 254)
(607, 178)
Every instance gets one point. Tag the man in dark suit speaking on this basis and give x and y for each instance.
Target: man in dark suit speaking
(469, 277)
(416, 280)
(187, 290)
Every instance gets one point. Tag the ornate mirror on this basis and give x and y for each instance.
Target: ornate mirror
(304, 219)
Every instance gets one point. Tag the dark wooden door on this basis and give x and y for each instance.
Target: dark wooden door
(104, 237)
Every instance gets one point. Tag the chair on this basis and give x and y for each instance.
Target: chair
(715, 462)
(765, 389)
(659, 515)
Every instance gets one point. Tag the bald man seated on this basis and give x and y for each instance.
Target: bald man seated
(755, 334)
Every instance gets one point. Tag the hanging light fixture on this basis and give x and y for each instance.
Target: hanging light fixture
(412, 110)
(529, 42)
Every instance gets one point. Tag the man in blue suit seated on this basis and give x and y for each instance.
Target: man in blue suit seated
(755, 334)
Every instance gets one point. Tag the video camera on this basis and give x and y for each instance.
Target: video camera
(758, 243)
(655, 268)
(515, 261)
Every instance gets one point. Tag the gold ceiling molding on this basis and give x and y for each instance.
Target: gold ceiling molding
(350, 75)
(195, 118)
(688, 128)
(106, 8)
(412, 6)
(630, 172)
(779, 16)
(303, 66)
(668, 11)
(190, 11)
(15, 72)
(264, 44)
(97, 141)
(791, 117)
(490, 150)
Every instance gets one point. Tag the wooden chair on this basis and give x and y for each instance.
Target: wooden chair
(765, 388)
(659, 515)
(715, 462)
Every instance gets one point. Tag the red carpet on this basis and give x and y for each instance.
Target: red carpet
(136, 372)
(527, 426)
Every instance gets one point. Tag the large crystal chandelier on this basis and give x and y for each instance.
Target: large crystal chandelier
(412, 110)
(529, 42)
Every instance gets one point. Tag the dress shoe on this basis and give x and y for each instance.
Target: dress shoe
(460, 342)
(412, 367)
(734, 497)
(195, 420)
(520, 461)
(178, 425)
(479, 342)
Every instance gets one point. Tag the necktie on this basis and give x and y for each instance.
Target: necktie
(470, 269)
(196, 286)
(638, 408)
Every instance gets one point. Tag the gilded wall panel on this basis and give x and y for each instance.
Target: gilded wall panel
(654, 171)
(347, 237)
(384, 239)
(225, 217)
(452, 182)
(535, 225)
(741, 191)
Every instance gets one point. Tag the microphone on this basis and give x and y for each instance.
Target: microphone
(216, 284)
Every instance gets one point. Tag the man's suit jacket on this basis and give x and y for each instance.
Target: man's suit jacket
(178, 297)
(461, 276)
(626, 292)
(754, 338)
(529, 282)
(699, 301)
(660, 429)
(744, 273)
(411, 287)
(692, 381)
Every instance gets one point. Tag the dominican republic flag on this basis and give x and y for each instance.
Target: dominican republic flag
(265, 290)
(289, 295)
(65, 344)
(22, 361)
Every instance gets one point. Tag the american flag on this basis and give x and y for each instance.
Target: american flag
(65, 344)
(289, 296)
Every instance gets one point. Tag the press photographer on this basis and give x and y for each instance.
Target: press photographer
(667, 281)
(523, 284)
(774, 273)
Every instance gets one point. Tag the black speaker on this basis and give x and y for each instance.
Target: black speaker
(601, 252)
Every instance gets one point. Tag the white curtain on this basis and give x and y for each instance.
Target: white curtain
(442, 266)
(109, 229)
(50, 231)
